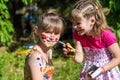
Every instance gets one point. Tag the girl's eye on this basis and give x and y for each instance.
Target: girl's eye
(56, 33)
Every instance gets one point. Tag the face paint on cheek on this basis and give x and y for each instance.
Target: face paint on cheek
(56, 39)
(43, 36)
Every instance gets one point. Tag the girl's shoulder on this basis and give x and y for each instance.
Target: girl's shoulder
(34, 53)
(108, 37)
(106, 31)
(107, 34)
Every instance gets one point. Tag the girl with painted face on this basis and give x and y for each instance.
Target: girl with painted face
(38, 65)
(94, 42)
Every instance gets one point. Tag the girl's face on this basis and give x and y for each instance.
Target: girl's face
(49, 38)
(84, 26)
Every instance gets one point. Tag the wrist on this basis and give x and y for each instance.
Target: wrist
(103, 69)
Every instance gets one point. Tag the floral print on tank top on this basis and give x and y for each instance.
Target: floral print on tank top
(47, 70)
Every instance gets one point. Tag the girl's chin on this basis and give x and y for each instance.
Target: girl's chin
(50, 45)
(81, 33)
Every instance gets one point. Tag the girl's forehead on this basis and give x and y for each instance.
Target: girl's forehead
(78, 18)
(52, 30)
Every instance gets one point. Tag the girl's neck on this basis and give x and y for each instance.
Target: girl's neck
(91, 33)
(43, 53)
(43, 47)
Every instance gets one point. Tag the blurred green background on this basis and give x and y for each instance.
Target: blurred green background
(17, 20)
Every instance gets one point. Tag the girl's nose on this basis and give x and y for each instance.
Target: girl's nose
(79, 27)
(52, 36)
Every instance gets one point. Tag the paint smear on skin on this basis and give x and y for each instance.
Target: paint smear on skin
(51, 45)
(37, 62)
(56, 39)
(43, 36)
(48, 74)
(40, 64)
(41, 69)
(38, 58)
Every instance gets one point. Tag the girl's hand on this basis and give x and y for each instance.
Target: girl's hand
(69, 50)
(94, 71)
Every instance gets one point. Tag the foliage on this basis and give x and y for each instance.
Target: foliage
(115, 16)
(26, 2)
(6, 27)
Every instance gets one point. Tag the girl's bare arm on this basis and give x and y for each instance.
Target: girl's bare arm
(79, 52)
(115, 51)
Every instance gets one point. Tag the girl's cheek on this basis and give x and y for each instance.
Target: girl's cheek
(44, 36)
(56, 39)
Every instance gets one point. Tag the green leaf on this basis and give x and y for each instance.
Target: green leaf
(3, 6)
(7, 15)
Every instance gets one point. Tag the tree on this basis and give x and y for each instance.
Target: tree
(6, 27)
(6, 21)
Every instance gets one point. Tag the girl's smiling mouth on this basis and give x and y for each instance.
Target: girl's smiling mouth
(80, 31)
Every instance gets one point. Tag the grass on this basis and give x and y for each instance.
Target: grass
(11, 66)
(66, 69)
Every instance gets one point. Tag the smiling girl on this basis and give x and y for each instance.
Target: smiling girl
(94, 42)
(38, 65)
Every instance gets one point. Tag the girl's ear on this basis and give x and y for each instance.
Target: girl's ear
(36, 30)
(92, 19)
